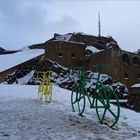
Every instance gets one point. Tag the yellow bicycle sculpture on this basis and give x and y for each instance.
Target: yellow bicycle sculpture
(45, 87)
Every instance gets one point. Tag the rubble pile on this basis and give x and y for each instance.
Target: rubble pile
(63, 78)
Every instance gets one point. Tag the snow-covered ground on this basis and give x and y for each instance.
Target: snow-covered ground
(24, 117)
(11, 60)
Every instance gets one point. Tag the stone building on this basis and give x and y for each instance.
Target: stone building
(123, 66)
(66, 53)
(72, 49)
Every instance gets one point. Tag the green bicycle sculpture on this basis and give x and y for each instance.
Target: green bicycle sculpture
(100, 98)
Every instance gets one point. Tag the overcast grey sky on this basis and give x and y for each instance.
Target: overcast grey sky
(25, 22)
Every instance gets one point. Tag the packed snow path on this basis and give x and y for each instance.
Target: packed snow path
(24, 117)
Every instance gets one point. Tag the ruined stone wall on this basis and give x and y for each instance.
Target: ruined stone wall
(131, 68)
(110, 57)
(122, 66)
(6, 72)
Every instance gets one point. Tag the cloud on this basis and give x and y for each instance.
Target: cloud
(65, 24)
(25, 22)
(24, 15)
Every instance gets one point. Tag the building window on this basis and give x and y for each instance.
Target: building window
(136, 61)
(138, 76)
(60, 54)
(125, 58)
(125, 76)
(88, 60)
(73, 55)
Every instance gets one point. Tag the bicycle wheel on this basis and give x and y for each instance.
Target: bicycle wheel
(107, 113)
(78, 100)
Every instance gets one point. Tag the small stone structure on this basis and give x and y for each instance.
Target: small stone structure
(66, 53)
(134, 98)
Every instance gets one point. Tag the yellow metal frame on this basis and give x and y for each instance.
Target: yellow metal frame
(45, 87)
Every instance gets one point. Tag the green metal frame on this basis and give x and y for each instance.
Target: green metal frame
(100, 98)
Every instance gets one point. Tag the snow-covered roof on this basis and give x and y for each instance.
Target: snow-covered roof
(136, 86)
(68, 41)
(82, 33)
(109, 44)
(86, 34)
(11, 60)
(93, 49)
(65, 37)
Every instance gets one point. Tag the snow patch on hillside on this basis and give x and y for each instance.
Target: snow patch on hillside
(11, 60)
(25, 48)
(24, 80)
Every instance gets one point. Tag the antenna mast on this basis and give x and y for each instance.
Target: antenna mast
(99, 25)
